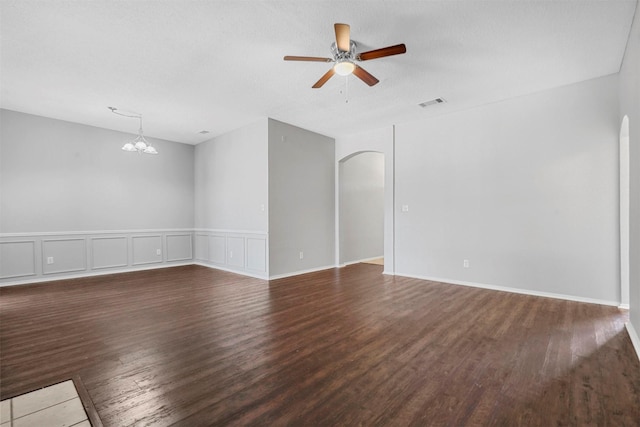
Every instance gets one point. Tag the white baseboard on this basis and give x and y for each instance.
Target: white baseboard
(623, 306)
(297, 273)
(82, 274)
(635, 339)
(514, 290)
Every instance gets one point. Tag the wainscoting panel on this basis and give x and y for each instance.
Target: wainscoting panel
(64, 255)
(147, 249)
(109, 252)
(202, 247)
(243, 252)
(71, 254)
(17, 258)
(179, 247)
(218, 249)
(36, 257)
(235, 251)
(257, 255)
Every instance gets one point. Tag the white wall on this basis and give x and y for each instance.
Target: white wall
(231, 180)
(301, 200)
(72, 203)
(629, 93)
(361, 211)
(382, 141)
(525, 189)
(232, 201)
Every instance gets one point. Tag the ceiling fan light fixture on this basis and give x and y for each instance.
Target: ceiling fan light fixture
(344, 68)
(344, 56)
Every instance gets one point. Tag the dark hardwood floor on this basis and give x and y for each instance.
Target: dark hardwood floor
(192, 346)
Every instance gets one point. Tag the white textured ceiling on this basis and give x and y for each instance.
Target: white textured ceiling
(191, 65)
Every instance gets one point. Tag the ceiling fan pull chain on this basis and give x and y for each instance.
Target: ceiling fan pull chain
(346, 90)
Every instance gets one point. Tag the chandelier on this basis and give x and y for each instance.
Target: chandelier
(140, 144)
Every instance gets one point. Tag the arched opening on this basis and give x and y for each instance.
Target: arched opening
(361, 208)
(624, 213)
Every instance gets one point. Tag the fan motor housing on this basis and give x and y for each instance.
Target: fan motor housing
(340, 56)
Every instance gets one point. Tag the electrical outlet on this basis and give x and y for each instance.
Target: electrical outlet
(405, 208)
(301, 255)
(465, 263)
(230, 254)
(158, 252)
(50, 260)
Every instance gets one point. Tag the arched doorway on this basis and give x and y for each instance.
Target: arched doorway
(624, 213)
(361, 207)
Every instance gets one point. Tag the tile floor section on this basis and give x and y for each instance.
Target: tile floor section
(55, 406)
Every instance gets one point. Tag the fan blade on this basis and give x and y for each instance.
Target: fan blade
(363, 75)
(324, 79)
(381, 53)
(343, 36)
(307, 58)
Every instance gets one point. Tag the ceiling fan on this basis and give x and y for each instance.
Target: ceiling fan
(344, 57)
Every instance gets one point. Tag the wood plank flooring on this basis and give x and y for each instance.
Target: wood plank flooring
(192, 346)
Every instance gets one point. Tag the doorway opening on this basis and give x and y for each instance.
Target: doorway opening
(361, 208)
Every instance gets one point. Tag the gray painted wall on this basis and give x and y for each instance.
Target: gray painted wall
(525, 189)
(629, 91)
(301, 199)
(62, 176)
(231, 180)
(361, 184)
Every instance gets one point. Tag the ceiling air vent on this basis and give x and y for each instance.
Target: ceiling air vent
(432, 102)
